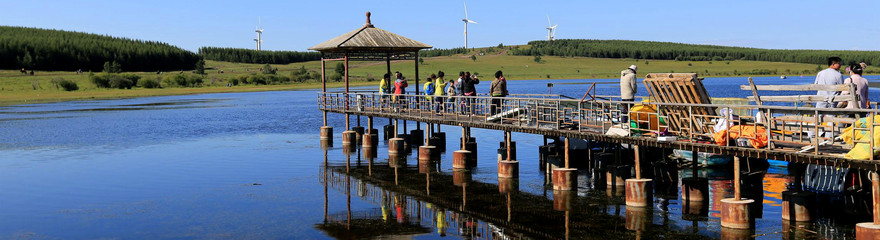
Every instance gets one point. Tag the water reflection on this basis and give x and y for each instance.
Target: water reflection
(454, 204)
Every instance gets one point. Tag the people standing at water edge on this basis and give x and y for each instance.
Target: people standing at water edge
(861, 88)
(458, 83)
(450, 93)
(428, 87)
(829, 76)
(468, 89)
(439, 89)
(498, 89)
(628, 89)
(385, 88)
(400, 89)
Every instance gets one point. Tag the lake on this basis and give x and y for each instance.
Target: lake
(250, 166)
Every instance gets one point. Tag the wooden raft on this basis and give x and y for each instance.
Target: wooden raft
(682, 88)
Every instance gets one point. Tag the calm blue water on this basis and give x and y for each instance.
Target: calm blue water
(250, 166)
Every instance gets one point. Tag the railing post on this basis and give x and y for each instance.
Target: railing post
(817, 134)
(871, 128)
(769, 125)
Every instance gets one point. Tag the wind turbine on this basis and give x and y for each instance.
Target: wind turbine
(466, 20)
(551, 29)
(259, 31)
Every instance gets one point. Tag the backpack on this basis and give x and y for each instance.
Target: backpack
(429, 88)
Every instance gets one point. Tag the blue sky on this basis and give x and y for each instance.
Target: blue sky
(297, 25)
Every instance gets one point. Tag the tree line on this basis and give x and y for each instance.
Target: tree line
(241, 55)
(686, 52)
(44, 49)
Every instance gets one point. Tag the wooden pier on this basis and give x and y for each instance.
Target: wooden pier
(680, 115)
(559, 116)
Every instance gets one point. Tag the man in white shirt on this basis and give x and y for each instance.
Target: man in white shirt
(829, 76)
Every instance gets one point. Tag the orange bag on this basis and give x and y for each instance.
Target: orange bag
(757, 135)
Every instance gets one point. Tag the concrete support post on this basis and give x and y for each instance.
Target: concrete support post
(639, 192)
(509, 168)
(349, 137)
(359, 131)
(461, 159)
(326, 133)
(565, 179)
(735, 211)
(797, 206)
(871, 230)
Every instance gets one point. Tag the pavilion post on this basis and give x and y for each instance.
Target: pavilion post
(323, 87)
(326, 131)
(388, 63)
(417, 73)
(347, 120)
(417, 86)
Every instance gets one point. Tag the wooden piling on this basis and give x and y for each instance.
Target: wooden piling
(797, 205)
(871, 230)
(508, 169)
(565, 179)
(349, 137)
(326, 133)
(460, 159)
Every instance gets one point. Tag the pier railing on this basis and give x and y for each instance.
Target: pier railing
(815, 132)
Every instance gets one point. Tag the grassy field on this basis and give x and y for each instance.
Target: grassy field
(16, 88)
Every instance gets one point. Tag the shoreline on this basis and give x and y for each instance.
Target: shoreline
(23, 98)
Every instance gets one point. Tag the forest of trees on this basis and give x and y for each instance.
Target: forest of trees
(442, 52)
(686, 52)
(44, 49)
(241, 55)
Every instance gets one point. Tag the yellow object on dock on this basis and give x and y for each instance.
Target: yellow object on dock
(861, 150)
(645, 113)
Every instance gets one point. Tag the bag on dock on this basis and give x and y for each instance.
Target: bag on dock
(757, 135)
(861, 150)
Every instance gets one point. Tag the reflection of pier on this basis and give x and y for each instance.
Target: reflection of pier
(452, 203)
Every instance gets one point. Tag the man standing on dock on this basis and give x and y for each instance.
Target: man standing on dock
(628, 89)
(829, 76)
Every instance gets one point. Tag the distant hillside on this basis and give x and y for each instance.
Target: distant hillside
(44, 49)
(241, 55)
(686, 52)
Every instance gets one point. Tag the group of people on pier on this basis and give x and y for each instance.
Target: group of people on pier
(829, 76)
(832, 76)
(445, 95)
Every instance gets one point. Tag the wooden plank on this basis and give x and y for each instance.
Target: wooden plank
(804, 98)
(671, 75)
(809, 87)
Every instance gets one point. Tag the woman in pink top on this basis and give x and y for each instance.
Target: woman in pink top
(861, 88)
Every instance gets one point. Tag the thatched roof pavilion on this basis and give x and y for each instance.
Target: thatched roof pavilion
(368, 43)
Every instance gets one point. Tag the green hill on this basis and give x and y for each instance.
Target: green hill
(44, 49)
(685, 52)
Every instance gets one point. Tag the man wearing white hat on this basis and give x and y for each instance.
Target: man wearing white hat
(628, 87)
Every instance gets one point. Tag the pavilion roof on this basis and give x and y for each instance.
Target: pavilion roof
(370, 39)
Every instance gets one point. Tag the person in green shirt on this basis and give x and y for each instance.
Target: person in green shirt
(439, 89)
(385, 88)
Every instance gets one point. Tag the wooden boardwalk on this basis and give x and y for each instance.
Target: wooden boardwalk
(791, 136)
